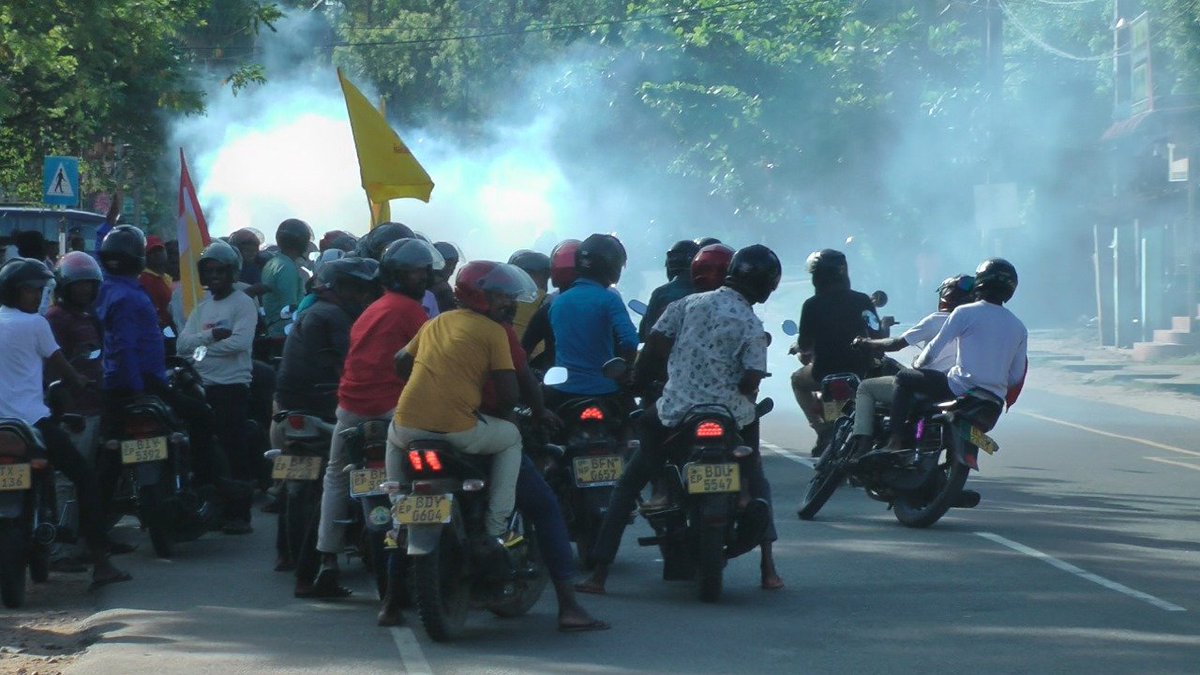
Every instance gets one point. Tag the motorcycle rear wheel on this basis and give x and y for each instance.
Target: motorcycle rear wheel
(13, 546)
(529, 591)
(443, 591)
(155, 512)
(710, 549)
(922, 511)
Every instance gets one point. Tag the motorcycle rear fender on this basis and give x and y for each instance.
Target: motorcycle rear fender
(148, 473)
(12, 504)
(963, 453)
(714, 509)
(424, 539)
(595, 501)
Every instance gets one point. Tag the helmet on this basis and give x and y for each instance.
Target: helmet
(710, 266)
(246, 236)
(293, 233)
(222, 254)
(531, 261)
(327, 256)
(600, 257)
(374, 242)
(995, 280)
(449, 251)
(77, 266)
(562, 264)
(955, 290)
(679, 257)
(754, 272)
(480, 279)
(123, 251)
(405, 255)
(21, 273)
(351, 268)
(707, 241)
(827, 260)
(337, 239)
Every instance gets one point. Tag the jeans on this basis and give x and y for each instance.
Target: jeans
(538, 503)
(229, 404)
(910, 383)
(647, 462)
(870, 394)
(65, 458)
(335, 499)
(489, 436)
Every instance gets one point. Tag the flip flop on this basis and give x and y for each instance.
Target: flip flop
(596, 624)
(584, 587)
(114, 579)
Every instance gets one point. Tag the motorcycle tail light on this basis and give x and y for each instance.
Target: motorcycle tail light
(138, 426)
(839, 390)
(12, 445)
(375, 464)
(375, 452)
(39, 464)
(297, 422)
(415, 461)
(432, 459)
(710, 429)
(7, 459)
(592, 414)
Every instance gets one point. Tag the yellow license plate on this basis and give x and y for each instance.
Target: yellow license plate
(423, 509)
(982, 441)
(708, 478)
(365, 482)
(595, 470)
(290, 467)
(833, 410)
(144, 450)
(15, 477)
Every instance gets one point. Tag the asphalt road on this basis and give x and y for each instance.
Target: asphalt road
(1082, 557)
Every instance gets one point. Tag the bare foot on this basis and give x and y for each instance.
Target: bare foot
(577, 620)
(772, 582)
(591, 585)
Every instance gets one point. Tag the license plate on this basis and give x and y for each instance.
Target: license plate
(596, 470)
(833, 410)
(982, 441)
(291, 467)
(709, 478)
(144, 450)
(423, 509)
(15, 477)
(365, 482)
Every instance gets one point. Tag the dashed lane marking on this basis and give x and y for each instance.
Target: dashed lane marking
(1082, 573)
(1164, 460)
(411, 656)
(1109, 434)
(786, 453)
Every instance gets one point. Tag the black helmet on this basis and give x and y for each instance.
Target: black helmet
(405, 255)
(294, 233)
(995, 280)
(123, 251)
(754, 272)
(531, 261)
(679, 257)
(21, 273)
(600, 257)
(954, 291)
(246, 236)
(449, 251)
(707, 241)
(828, 269)
(373, 243)
(222, 254)
(351, 269)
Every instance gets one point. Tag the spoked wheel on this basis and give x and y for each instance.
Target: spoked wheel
(526, 591)
(926, 506)
(829, 472)
(442, 588)
(13, 550)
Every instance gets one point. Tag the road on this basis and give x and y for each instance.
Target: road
(1082, 557)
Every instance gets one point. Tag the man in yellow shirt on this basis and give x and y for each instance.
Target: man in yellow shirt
(446, 365)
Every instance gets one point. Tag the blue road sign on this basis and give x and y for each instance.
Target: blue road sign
(60, 181)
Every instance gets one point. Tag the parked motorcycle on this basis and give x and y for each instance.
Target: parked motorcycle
(919, 486)
(705, 487)
(441, 505)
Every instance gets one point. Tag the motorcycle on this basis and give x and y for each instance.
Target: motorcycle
(441, 506)
(300, 465)
(919, 486)
(704, 487)
(148, 458)
(366, 449)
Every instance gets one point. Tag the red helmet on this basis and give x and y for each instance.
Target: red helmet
(562, 264)
(480, 279)
(709, 267)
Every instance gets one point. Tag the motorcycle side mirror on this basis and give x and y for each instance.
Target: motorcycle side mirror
(768, 335)
(638, 307)
(168, 332)
(614, 369)
(556, 375)
(200, 353)
(764, 406)
(879, 299)
(790, 327)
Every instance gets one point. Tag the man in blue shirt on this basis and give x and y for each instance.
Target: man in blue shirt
(586, 319)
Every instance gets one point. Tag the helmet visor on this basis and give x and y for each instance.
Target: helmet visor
(509, 280)
(413, 253)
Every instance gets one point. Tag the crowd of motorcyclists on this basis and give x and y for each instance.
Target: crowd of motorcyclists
(392, 326)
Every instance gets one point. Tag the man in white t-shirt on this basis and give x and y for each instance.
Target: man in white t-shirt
(990, 345)
(953, 292)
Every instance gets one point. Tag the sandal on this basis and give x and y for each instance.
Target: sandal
(595, 624)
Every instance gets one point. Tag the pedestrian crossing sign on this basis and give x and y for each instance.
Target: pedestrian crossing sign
(60, 180)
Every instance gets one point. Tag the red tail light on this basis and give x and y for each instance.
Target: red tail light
(420, 461)
(414, 460)
(296, 422)
(592, 414)
(432, 459)
(6, 459)
(143, 427)
(839, 390)
(709, 429)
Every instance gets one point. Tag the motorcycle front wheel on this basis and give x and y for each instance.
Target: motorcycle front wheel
(442, 587)
(828, 474)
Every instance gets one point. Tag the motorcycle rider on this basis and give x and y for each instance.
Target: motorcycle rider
(538, 338)
(282, 277)
(224, 325)
(679, 284)
(77, 332)
(989, 342)
(717, 353)
(585, 320)
(247, 242)
(537, 266)
(441, 289)
(29, 347)
(952, 292)
(829, 322)
(157, 282)
(369, 387)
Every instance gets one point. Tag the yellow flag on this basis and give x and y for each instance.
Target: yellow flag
(387, 166)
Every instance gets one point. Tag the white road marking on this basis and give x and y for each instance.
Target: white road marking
(1082, 573)
(1109, 434)
(1164, 460)
(785, 453)
(411, 656)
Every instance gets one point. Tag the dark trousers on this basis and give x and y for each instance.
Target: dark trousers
(910, 383)
(65, 458)
(647, 462)
(229, 403)
(537, 502)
